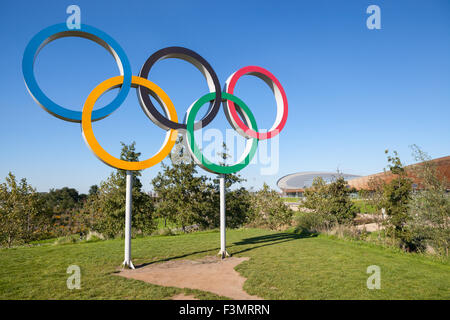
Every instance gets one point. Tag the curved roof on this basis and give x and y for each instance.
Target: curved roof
(441, 165)
(302, 180)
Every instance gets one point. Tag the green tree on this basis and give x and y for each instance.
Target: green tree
(397, 194)
(230, 178)
(129, 153)
(188, 198)
(22, 215)
(429, 208)
(185, 198)
(269, 210)
(331, 202)
(315, 218)
(238, 201)
(105, 209)
(339, 203)
(315, 197)
(238, 207)
(93, 190)
(64, 205)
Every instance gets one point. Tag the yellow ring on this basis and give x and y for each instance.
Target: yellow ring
(96, 148)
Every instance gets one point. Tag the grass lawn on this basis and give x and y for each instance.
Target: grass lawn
(363, 207)
(169, 224)
(283, 265)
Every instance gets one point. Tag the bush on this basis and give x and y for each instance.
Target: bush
(105, 212)
(238, 207)
(93, 236)
(311, 222)
(268, 210)
(429, 208)
(164, 232)
(348, 232)
(184, 197)
(396, 195)
(330, 202)
(23, 216)
(67, 239)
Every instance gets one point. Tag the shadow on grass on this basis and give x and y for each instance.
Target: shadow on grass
(250, 243)
(175, 257)
(271, 239)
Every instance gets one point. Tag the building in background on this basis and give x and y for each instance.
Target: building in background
(442, 166)
(293, 185)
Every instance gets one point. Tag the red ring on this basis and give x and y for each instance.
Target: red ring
(231, 83)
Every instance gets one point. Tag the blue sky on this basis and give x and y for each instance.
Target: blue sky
(353, 92)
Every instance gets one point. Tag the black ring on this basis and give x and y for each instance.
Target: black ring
(201, 64)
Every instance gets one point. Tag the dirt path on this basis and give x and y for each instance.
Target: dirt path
(370, 227)
(208, 274)
(182, 296)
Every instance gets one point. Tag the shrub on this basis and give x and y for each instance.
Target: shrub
(23, 216)
(93, 236)
(331, 202)
(238, 207)
(104, 210)
(429, 208)
(67, 239)
(311, 222)
(268, 210)
(184, 197)
(396, 195)
(164, 232)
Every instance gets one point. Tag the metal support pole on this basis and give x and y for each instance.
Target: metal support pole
(223, 251)
(128, 206)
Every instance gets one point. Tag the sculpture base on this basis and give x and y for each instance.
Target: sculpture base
(127, 264)
(223, 254)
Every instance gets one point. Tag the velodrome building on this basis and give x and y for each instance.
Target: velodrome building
(293, 185)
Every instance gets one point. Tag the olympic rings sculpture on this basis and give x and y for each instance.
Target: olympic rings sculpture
(237, 112)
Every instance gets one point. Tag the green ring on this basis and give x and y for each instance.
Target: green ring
(195, 150)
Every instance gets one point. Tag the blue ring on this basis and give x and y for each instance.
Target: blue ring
(58, 31)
